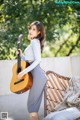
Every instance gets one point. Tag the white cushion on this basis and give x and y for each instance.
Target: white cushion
(67, 114)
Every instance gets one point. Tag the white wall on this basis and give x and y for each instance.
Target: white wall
(67, 66)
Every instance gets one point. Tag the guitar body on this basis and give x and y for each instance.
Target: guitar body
(25, 83)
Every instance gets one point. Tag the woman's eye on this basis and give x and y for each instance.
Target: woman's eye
(33, 29)
(29, 28)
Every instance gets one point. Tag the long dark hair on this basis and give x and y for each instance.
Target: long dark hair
(41, 36)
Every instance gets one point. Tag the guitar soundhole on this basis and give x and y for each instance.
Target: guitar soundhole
(18, 81)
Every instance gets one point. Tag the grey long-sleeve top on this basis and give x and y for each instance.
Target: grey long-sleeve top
(32, 53)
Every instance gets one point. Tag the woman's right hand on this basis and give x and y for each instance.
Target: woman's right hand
(19, 51)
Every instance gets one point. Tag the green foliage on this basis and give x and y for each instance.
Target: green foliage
(61, 23)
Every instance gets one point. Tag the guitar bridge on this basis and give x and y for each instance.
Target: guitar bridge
(18, 81)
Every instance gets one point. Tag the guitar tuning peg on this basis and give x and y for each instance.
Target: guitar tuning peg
(20, 38)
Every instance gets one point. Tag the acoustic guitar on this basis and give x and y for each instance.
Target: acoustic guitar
(25, 83)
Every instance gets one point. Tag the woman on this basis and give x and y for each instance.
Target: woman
(32, 54)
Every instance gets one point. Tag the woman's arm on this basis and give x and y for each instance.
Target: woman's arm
(37, 56)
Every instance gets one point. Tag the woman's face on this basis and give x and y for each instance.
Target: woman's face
(33, 32)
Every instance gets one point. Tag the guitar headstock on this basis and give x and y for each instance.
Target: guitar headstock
(19, 38)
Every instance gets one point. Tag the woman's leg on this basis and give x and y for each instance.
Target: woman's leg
(34, 116)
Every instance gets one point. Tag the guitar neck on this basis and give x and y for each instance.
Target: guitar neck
(18, 60)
